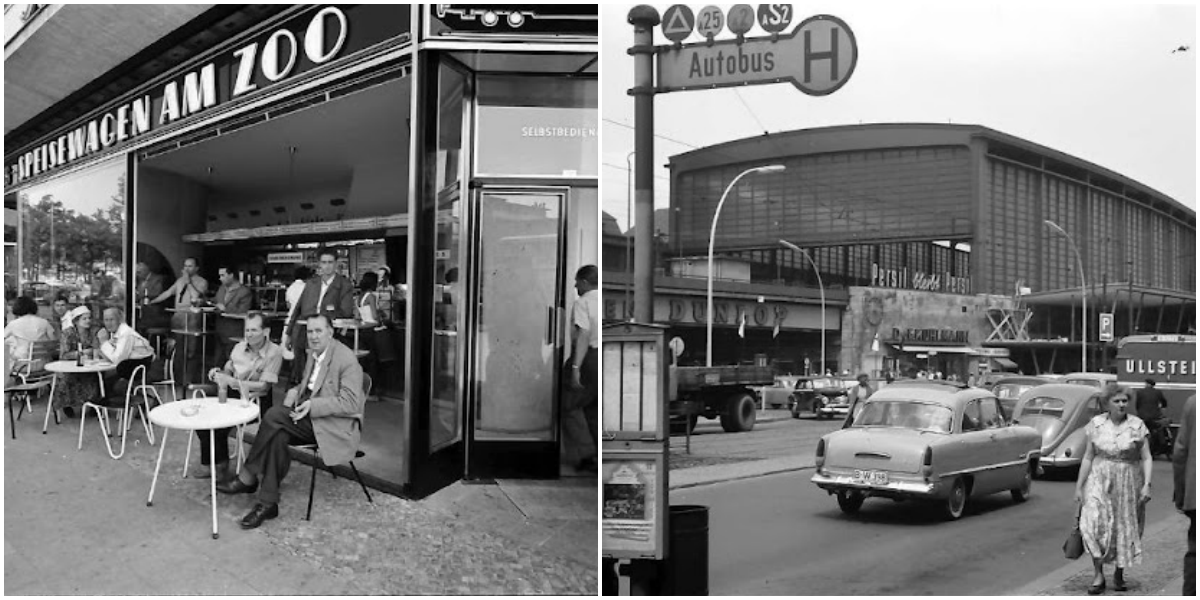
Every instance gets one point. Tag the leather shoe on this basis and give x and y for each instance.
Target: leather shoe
(261, 513)
(236, 486)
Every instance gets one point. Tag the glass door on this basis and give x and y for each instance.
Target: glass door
(517, 332)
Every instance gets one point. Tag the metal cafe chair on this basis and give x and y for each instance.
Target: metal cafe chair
(30, 370)
(24, 385)
(312, 484)
(168, 374)
(114, 402)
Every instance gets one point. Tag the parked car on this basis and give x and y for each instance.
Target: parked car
(1059, 412)
(939, 441)
(1008, 389)
(824, 397)
(1096, 380)
(778, 394)
(987, 380)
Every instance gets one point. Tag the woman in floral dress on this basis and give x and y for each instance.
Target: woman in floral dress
(1113, 487)
(73, 389)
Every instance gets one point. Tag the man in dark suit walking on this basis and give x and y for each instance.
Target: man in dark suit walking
(329, 294)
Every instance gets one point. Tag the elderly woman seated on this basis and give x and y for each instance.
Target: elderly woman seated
(73, 389)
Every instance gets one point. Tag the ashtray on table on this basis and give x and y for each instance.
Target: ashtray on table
(190, 411)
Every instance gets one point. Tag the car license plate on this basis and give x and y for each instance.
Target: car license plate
(871, 477)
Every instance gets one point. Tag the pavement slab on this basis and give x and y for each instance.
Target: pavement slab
(76, 522)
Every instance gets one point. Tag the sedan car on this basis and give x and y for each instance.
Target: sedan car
(778, 394)
(824, 397)
(1008, 389)
(938, 441)
(1059, 412)
(1096, 380)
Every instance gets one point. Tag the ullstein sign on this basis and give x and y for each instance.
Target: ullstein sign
(300, 45)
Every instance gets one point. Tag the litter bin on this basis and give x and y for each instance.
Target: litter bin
(687, 546)
(609, 581)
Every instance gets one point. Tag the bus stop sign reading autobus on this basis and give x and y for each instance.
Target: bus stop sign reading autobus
(818, 57)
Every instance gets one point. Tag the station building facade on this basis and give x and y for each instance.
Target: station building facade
(451, 148)
(936, 237)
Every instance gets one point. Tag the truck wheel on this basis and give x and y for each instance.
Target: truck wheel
(850, 501)
(739, 413)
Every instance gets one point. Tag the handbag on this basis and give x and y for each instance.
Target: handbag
(1073, 547)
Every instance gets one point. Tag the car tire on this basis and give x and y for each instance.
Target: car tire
(850, 501)
(956, 502)
(739, 414)
(1021, 494)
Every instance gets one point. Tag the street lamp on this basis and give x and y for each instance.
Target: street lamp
(1082, 285)
(712, 236)
(802, 251)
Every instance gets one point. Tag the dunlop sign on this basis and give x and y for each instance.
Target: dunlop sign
(818, 58)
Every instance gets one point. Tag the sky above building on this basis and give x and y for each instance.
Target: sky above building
(1102, 82)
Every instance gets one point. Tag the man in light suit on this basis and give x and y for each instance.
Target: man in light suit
(330, 294)
(325, 407)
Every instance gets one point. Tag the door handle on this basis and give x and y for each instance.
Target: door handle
(549, 325)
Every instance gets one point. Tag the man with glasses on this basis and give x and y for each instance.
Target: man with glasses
(330, 294)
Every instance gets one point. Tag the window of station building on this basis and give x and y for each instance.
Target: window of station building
(529, 125)
(71, 238)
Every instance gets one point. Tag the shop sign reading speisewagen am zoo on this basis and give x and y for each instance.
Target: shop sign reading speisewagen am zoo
(297, 46)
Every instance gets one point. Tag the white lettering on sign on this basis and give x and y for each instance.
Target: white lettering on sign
(559, 132)
(818, 58)
(1160, 367)
(195, 93)
(918, 280)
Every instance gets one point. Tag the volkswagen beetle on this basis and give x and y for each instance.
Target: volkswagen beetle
(1059, 412)
(940, 441)
(1008, 389)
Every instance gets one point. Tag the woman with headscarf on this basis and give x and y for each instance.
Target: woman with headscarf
(73, 389)
(1113, 489)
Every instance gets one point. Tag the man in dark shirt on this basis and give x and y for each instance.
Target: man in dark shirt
(1150, 403)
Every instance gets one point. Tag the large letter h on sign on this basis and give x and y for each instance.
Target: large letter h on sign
(810, 57)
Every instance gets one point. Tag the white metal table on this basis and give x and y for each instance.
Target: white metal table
(199, 414)
(68, 366)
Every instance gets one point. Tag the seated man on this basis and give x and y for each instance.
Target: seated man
(325, 407)
(123, 346)
(253, 365)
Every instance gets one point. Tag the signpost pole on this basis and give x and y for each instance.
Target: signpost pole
(644, 19)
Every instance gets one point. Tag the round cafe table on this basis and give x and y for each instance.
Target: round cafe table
(198, 414)
(68, 366)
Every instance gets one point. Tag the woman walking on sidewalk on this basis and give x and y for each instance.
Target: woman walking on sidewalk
(1113, 488)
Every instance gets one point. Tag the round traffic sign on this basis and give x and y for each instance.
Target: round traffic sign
(678, 22)
(830, 60)
(676, 345)
(741, 19)
(774, 18)
(710, 21)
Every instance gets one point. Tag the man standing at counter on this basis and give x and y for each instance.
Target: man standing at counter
(329, 294)
(232, 298)
(189, 290)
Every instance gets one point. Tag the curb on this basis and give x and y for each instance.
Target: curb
(696, 484)
(1062, 574)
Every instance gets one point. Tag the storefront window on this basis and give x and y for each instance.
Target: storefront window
(446, 426)
(72, 238)
(537, 126)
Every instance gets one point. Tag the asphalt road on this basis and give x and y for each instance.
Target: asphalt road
(766, 440)
(782, 535)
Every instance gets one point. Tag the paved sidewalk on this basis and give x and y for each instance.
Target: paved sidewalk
(77, 523)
